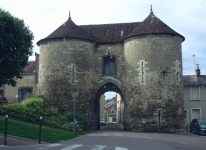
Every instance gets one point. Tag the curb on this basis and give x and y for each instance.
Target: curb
(24, 138)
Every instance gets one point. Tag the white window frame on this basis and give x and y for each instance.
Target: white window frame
(200, 113)
(191, 98)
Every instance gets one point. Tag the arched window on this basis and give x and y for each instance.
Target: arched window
(109, 65)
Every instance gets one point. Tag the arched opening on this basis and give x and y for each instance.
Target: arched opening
(111, 109)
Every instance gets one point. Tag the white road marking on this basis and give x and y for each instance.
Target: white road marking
(98, 147)
(49, 146)
(72, 147)
(121, 148)
(104, 134)
(92, 134)
(119, 134)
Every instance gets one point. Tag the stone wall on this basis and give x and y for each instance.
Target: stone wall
(148, 78)
(153, 70)
(68, 65)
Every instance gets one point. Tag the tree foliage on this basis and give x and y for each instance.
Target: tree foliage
(15, 47)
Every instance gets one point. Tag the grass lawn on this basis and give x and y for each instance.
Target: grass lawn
(49, 135)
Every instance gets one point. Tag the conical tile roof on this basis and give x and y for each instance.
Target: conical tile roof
(152, 25)
(68, 30)
(111, 32)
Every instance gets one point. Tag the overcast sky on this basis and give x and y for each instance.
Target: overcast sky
(187, 17)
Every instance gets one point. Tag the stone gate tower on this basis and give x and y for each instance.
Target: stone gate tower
(142, 61)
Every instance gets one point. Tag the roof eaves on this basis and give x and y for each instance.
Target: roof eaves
(38, 43)
(153, 33)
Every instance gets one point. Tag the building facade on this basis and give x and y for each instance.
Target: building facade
(194, 96)
(102, 107)
(111, 109)
(23, 86)
(142, 61)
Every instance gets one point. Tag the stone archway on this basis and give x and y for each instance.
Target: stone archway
(102, 88)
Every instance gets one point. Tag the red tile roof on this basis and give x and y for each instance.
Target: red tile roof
(30, 68)
(111, 32)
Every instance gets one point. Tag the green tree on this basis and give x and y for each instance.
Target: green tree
(15, 47)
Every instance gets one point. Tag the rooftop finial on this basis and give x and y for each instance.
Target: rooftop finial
(151, 12)
(69, 16)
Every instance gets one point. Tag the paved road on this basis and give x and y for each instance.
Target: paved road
(112, 126)
(113, 140)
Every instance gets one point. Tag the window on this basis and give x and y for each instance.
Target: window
(194, 93)
(196, 113)
(109, 65)
(1, 93)
(24, 93)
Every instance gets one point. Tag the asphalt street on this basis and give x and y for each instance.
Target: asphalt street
(120, 140)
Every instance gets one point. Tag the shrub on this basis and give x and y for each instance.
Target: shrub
(34, 95)
(61, 110)
(82, 120)
(33, 102)
(17, 106)
(34, 109)
(50, 123)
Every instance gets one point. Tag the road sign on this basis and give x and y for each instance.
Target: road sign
(74, 94)
(144, 121)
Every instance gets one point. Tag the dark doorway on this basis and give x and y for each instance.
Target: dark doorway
(24, 92)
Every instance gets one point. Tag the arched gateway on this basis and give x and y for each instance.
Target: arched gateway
(142, 61)
(107, 85)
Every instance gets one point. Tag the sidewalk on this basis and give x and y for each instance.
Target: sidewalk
(18, 141)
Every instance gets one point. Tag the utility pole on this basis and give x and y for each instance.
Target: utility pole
(194, 60)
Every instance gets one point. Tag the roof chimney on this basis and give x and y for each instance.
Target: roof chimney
(197, 71)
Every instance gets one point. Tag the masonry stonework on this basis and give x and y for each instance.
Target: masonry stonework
(148, 71)
(67, 65)
(154, 80)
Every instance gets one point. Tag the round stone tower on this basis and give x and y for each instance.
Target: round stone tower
(153, 76)
(66, 65)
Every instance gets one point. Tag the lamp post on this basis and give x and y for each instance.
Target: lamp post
(5, 134)
(74, 95)
(40, 130)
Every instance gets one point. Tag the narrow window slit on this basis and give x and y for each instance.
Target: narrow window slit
(73, 74)
(177, 76)
(142, 72)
